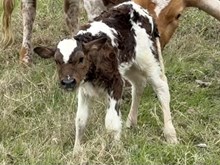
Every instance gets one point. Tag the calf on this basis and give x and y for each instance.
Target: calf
(121, 44)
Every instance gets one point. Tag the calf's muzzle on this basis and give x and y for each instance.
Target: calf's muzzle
(68, 84)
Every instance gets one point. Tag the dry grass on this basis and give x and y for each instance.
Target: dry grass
(37, 118)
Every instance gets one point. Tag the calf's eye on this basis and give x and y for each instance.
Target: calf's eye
(81, 60)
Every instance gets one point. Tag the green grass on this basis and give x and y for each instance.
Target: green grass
(37, 117)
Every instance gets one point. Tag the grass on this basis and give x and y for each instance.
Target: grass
(37, 118)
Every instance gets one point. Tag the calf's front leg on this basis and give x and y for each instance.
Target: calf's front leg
(81, 117)
(113, 122)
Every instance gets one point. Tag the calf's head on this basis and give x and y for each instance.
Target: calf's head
(72, 59)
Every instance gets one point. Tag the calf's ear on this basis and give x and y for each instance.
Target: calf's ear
(95, 44)
(45, 52)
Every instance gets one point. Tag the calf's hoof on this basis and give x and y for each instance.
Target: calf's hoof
(131, 123)
(171, 139)
(170, 135)
(77, 150)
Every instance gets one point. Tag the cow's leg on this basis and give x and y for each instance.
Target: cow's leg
(72, 14)
(94, 8)
(28, 14)
(81, 117)
(113, 122)
(160, 86)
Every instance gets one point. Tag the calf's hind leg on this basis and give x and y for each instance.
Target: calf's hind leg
(160, 86)
(138, 83)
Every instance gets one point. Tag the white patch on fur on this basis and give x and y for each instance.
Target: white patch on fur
(145, 59)
(113, 121)
(67, 47)
(160, 5)
(94, 8)
(97, 27)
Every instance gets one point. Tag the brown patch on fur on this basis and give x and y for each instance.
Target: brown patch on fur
(120, 21)
(104, 70)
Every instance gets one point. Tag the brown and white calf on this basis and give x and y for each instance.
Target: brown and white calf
(121, 44)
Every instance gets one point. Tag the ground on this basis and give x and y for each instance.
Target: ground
(37, 117)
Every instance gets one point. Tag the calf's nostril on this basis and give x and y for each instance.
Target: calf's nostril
(65, 82)
(68, 83)
(62, 82)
